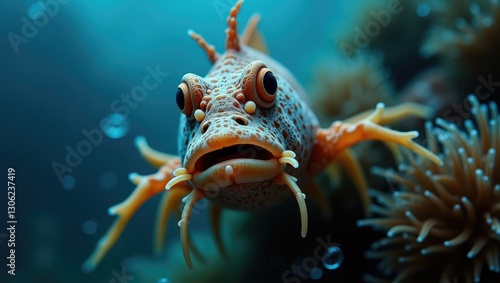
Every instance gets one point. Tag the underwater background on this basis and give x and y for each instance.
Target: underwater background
(68, 131)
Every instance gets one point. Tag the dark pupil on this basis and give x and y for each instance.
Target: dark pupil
(270, 83)
(179, 98)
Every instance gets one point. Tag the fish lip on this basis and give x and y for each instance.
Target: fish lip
(236, 151)
(243, 171)
(252, 161)
(273, 151)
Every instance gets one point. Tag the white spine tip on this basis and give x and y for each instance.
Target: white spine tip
(180, 222)
(139, 140)
(132, 176)
(112, 210)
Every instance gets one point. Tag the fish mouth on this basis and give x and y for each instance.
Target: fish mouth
(235, 164)
(234, 152)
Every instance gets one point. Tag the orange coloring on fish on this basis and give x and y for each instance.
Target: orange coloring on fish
(247, 140)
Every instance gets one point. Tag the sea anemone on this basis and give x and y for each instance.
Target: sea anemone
(466, 37)
(341, 89)
(443, 222)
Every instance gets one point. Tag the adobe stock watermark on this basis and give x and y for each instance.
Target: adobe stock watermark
(31, 27)
(362, 36)
(93, 138)
(462, 111)
(222, 7)
(302, 271)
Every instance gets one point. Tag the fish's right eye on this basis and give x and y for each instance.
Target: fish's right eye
(183, 99)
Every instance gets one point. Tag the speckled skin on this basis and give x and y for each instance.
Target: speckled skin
(288, 125)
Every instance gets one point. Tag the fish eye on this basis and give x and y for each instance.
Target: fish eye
(270, 83)
(183, 99)
(259, 84)
(266, 85)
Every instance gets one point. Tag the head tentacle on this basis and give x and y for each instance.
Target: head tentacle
(232, 40)
(209, 49)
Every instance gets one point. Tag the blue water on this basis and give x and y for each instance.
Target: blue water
(61, 76)
(81, 79)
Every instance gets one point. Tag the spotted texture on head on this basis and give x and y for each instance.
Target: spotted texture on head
(285, 124)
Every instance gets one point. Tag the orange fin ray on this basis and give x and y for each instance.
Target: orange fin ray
(169, 203)
(352, 167)
(342, 135)
(148, 187)
(232, 40)
(154, 157)
(209, 49)
(252, 36)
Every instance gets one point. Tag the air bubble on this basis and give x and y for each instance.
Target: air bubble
(423, 10)
(68, 182)
(163, 280)
(115, 125)
(316, 273)
(89, 227)
(36, 10)
(333, 257)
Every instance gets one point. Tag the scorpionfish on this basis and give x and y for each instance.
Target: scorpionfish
(247, 138)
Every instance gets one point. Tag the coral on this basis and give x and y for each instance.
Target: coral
(342, 89)
(443, 222)
(466, 37)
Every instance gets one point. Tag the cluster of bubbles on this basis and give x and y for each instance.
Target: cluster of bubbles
(331, 260)
(115, 125)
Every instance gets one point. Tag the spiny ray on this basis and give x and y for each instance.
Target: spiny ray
(146, 189)
(169, 203)
(209, 49)
(154, 157)
(232, 40)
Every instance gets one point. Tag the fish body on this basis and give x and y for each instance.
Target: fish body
(247, 138)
